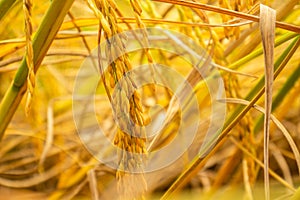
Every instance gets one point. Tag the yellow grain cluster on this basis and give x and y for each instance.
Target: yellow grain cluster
(237, 5)
(132, 143)
(27, 9)
(193, 16)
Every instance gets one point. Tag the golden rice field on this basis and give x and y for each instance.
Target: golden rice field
(150, 99)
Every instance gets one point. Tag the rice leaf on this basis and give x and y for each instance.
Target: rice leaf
(267, 29)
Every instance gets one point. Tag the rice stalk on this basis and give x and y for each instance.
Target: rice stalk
(195, 24)
(27, 8)
(250, 17)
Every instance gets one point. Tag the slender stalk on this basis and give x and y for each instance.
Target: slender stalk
(41, 43)
(207, 7)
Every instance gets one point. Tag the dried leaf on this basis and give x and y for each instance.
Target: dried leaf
(267, 29)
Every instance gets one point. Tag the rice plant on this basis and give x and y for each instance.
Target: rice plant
(140, 99)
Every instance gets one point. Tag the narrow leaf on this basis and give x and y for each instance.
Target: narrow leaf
(267, 29)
